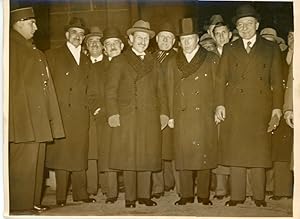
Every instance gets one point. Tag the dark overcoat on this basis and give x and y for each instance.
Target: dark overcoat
(167, 134)
(97, 100)
(71, 82)
(249, 86)
(191, 91)
(34, 114)
(134, 90)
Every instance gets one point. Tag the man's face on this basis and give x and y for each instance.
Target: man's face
(75, 36)
(94, 46)
(27, 28)
(209, 45)
(291, 40)
(165, 40)
(247, 27)
(222, 35)
(189, 42)
(140, 41)
(113, 47)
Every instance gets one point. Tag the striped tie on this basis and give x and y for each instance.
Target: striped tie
(248, 48)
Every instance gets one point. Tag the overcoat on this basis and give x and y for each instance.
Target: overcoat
(71, 82)
(97, 100)
(167, 134)
(250, 87)
(34, 114)
(134, 90)
(191, 91)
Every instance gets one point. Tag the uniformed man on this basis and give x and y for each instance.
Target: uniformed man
(190, 93)
(136, 110)
(249, 90)
(69, 156)
(34, 116)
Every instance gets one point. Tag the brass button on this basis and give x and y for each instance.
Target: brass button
(197, 108)
(196, 78)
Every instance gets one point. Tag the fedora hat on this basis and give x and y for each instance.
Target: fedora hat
(76, 22)
(166, 26)
(187, 26)
(94, 31)
(245, 10)
(21, 14)
(111, 32)
(271, 33)
(214, 19)
(142, 26)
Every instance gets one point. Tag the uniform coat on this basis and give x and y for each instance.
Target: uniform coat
(192, 107)
(97, 100)
(249, 86)
(71, 82)
(135, 91)
(167, 133)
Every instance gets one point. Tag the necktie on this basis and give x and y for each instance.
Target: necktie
(248, 48)
(95, 60)
(142, 57)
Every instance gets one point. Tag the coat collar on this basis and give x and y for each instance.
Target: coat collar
(14, 35)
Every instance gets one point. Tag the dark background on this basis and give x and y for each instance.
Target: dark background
(53, 15)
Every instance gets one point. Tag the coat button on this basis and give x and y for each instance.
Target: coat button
(197, 92)
(194, 142)
(196, 78)
(67, 73)
(70, 89)
(205, 75)
(241, 90)
(204, 155)
(197, 108)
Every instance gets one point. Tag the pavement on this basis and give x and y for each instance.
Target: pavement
(165, 207)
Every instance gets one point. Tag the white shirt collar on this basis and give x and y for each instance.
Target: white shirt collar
(75, 51)
(96, 59)
(190, 56)
(252, 40)
(220, 50)
(138, 53)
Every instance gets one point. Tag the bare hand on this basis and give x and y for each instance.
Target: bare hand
(289, 118)
(163, 121)
(114, 121)
(220, 114)
(171, 123)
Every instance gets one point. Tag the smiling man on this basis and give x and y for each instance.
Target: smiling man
(136, 109)
(249, 99)
(69, 156)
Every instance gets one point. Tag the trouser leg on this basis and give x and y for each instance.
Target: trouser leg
(112, 182)
(62, 183)
(283, 179)
(258, 182)
(103, 182)
(238, 183)
(157, 182)
(203, 183)
(176, 177)
(39, 184)
(130, 182)
(92, 177)
(169, 181)
(22, 175)
(79, 185)
(143, 184)
(186, 183)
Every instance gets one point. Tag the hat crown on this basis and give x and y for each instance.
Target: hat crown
(76, 22)
(95, 30)
(111, 32)
(21, 13)
(166, 26)
(216, 18)
(141, 24)
(245, 10)
(187, 26)
(268, 31)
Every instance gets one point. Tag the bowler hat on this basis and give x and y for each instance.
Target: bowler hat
(245, 10)
(187, 26)
(21, 14)
(166, 26)
(94, 31)
(142, 26)
(111, 32)
(76, 22)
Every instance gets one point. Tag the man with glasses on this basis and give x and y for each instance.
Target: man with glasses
(68, 156)
(249, 98)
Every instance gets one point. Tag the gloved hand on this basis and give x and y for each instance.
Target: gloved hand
(171, 123)
(163, 121)
(114, 121)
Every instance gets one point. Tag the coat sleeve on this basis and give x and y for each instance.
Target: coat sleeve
(276, 78)
(113, 78)
(288, 96)
(169, 81)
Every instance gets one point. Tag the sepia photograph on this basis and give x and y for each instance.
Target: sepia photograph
(177, 108)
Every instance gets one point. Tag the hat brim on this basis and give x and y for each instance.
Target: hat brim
(135, 29)
(276, 38)
(108, 37)
(67, 27)
(93, 34)
(189, 33)
(235, 18)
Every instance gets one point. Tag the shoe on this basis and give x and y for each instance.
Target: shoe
(220, 197)
(184, 201)
(275, 197)
(129, 204)
(40, 208)
(111, 200)
(157, 195)
(87, 200)
(204, 201)
(168, 189)
(146, 201)
(260, 203)
(61, 203)
(233, 203)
